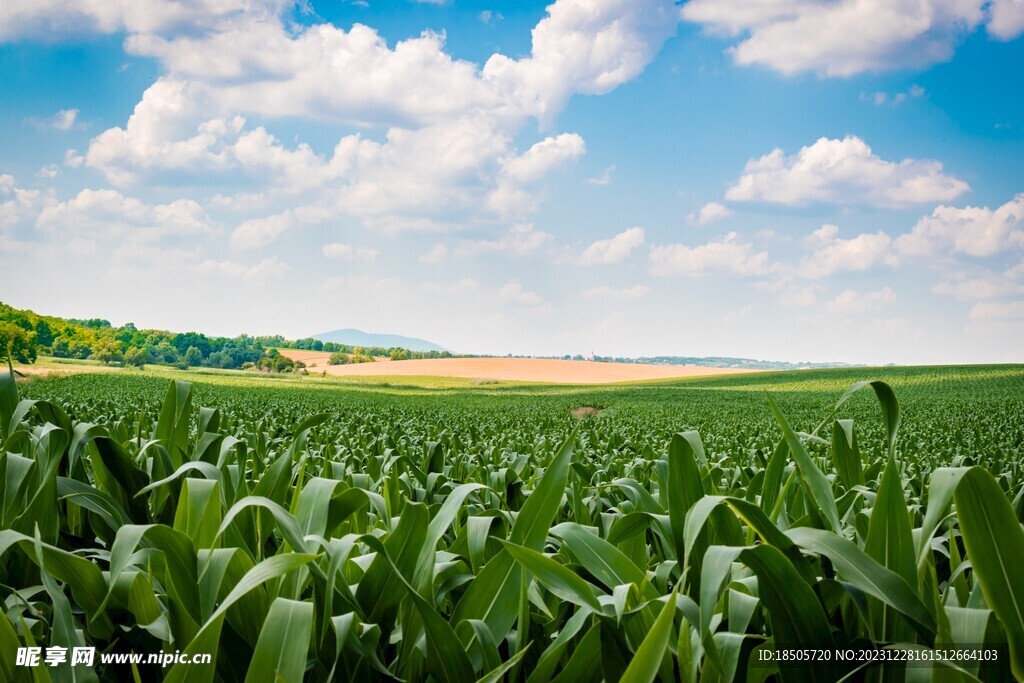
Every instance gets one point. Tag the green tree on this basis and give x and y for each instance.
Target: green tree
(338, 358)
(398, 354)
(108, 351)
(17, 343)
(137, 356)
(60, 348)
(193, 357)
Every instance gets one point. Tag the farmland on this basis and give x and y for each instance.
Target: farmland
(511, 369)
(677, 530)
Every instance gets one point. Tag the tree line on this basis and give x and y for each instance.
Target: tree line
(26, 335)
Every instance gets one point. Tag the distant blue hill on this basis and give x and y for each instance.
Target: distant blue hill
(360, 338)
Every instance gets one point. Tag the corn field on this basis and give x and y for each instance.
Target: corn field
(454, 542)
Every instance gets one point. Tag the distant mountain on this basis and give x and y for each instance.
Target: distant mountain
(360, 338)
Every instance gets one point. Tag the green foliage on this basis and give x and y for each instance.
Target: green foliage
(275, 362)
(366, 534)
(137, 357)
(17, 343)
(355, 355)
(108, 351)
(193, 357)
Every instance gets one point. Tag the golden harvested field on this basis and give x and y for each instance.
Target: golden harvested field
(510, 369)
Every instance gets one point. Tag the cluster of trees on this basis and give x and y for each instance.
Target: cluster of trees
(392, 352)
(358, 354)
(344, 358)
(24, 335)
(275, 362)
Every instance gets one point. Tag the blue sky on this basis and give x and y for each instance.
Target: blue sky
(789, 180)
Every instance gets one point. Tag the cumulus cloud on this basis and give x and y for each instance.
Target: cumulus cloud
(729, 255)
(606, 293)
(613, 250)
(788, 292)
(832, 254)
(72, 159)
(514, 292)
(108, 214)
(846, 37)
(710, 212)
(64, 120)
(524, 171)
(852, 302)
(347, 252)
(48, 172)
(843, 172)
(259, 232)
(976, 231)
(440, 138)
(17, 204)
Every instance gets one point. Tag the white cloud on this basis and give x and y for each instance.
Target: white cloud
(51, 19)
(604, 179)
(240, 202)
(520, 240)
(270, 268)
(881, 98)
(434, 255)
(48, 172)
(448, 154)
(613, 250)
(346, 252)
(1005, 19)
(979, 288)
(997, 310)
(72, 159)
(514, 292)
(64, 120)
(584, 46)
(790, 293)
(728, 255)
(259, 232)
(527, 169)
(851, 302)
(976, 231)
(846, 37)
(710, 212)
(832, 254)
(108, 214)
(843, 172)
(606, 293)
(490, 17)
(18, 205)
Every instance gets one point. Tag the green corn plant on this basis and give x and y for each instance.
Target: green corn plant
(689, 529)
